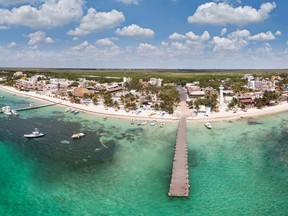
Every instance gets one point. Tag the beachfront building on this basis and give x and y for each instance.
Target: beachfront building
(155, 82)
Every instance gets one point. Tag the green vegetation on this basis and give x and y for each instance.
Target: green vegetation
(180, 77)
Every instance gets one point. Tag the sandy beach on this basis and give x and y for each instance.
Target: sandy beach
(151, 114)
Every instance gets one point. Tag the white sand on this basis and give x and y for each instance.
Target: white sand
(146, 114)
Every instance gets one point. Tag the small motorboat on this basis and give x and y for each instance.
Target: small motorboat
(36, 133)
(104, 118)
(143, 123)
(208, 125)
(154, 122)
(14, 112)
(139, 122)
(78, 135)
(162, 124)
(132, 122)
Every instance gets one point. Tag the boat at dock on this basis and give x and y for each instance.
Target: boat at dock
(6, 110)
(78, 135)
(14, 112)
(35, 134)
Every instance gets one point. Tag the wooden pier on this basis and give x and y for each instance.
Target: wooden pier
(36, 107)
(179, 185)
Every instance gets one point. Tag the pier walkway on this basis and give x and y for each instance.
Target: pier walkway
(36, 107)
(179, 185)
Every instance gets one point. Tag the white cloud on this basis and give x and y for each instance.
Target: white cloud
(135, 31)
(223, 31)
(12, 44)
(96, 21)
(39, 38)
(278, 33)
(4, 27)
(105, 42)
(222, 14)
(190, 36)
(75, 38)
(129, 1)
(52, 13)
(262, 36)
(147, 49)
(177, 36)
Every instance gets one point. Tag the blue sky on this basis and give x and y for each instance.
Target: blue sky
(185, 34)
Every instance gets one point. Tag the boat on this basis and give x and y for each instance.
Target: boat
(143, 123)
(162, 124)
(75, 112)
(78, 135)
(1, 96)
(104, 118)
(154, 122)
(132, 122)
(14, 112)
(36, 133)
(139, 122)
(208, 125)
(7, 110)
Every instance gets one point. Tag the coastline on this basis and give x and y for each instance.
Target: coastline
(100, 110)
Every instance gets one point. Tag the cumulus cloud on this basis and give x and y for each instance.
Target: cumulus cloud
(190, 36)
(146, 49)
(278, 33)
(96, 21)
(223, 14)
(12, 44)
(223, 31)
(135, 31)
(177, 36)
(105, 42)
(39, 37)
(4, 27)
(263, 36)
(129, 1)
(49, 14)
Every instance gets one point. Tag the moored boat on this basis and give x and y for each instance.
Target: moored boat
(36, 133)
(78, 135)
(208, 125)
(14, 112)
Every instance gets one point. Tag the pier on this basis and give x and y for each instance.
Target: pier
(179, 185)
(36, 107)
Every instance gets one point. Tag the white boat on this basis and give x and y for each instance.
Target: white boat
(104, 118)
(132, 122)
(208, 125)
(162, 124)
(143, 123)
(75, 112)
(7, 110)
(14, 112)
(77, 135)
(36, 133)
(139, 122)
(154, 122)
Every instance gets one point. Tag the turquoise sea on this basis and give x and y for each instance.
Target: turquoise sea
(237, 168)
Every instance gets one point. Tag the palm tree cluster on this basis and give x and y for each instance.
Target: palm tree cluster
(269, 98)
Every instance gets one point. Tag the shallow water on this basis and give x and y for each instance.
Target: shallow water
(237, 168)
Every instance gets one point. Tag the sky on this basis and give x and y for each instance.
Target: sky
(176, 34)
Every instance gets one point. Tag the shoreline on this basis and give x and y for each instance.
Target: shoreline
(99, 110)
